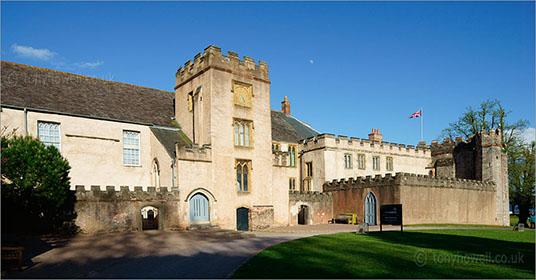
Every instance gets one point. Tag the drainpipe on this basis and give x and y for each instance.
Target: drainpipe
(301, 169)
(25, 122)
(193, 118)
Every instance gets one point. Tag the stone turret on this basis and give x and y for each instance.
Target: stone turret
(492, 165)
(479, 158)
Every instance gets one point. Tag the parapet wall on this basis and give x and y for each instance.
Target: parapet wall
(424, 199)
(112, 210)
(213, 58)
(327, 140)
(407, 179)
(195, 153)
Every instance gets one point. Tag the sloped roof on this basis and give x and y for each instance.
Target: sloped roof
(168, 137)
(61, 92)
(287, 128)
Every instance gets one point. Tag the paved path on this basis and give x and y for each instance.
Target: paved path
(162, 254)
(151, 254)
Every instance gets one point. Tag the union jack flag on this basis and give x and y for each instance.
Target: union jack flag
(416, 114)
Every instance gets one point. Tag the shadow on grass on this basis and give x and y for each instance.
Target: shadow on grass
(393, 255)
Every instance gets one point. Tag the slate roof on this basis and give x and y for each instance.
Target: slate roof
(44, 89)
(168, 137)
(287, 128)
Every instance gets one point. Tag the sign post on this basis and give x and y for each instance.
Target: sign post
(391, 214)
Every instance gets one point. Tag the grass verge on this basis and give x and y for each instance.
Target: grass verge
(449, 253)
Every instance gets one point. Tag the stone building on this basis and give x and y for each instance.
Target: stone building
(213, 153)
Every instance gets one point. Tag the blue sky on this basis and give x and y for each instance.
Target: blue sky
(347, 67)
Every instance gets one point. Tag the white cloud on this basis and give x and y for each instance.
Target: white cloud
(25, 51)
(528, 134)
(89, 64)
(311, 61)
(53, 58)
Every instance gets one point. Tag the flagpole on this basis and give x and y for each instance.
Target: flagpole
(422, 116)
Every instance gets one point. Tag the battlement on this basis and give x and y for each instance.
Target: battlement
(114, 193)
(195, 153)
(212, 58)
(309, 196)
(327, 140)
(407, 179)
(483, 138)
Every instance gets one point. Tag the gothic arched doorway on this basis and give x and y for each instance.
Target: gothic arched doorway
(370, 209)
(149, 216)
(199, 208)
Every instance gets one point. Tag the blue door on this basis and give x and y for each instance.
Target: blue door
(370, 209)
(198, 208)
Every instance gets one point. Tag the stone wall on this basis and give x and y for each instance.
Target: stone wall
(425, 199)
(261, 216)
(320, 207)
(113, 210)
(480, 157)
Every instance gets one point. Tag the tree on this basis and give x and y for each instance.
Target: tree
(35, 186)
(521, 178)
(491, 115)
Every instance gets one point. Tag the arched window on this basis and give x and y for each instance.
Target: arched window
(245, 173)
(293, 156)
(239, 178)
(156, 173)
(243, 168)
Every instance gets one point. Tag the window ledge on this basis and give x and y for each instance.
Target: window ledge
(244, 147)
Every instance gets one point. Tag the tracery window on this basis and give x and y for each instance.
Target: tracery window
(243, 175)
(242, 133)
(291, 155)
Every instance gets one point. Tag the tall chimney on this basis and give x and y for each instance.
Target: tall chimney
(375, 135)
(285, 106)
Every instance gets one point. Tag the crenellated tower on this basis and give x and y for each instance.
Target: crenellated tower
(223, 102)
(479, 158)
(492, 165)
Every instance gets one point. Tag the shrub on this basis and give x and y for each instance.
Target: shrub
(35, 186)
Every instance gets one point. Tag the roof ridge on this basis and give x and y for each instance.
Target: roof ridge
(82, 76)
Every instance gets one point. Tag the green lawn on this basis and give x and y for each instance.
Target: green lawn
(456, 225)
(448, 253)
